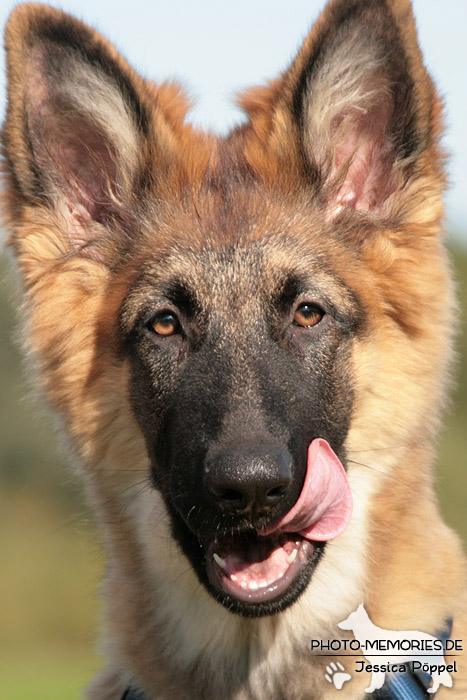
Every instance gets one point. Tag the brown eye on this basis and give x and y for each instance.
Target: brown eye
(165, 323)
(307, 315)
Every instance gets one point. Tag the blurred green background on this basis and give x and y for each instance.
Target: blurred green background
(51, 561)
(50, 554)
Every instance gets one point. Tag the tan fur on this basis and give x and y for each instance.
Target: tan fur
(163, 630)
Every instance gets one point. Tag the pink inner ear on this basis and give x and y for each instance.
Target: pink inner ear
(77, 161)
(83, 159)
(72, 152)
(364, 154)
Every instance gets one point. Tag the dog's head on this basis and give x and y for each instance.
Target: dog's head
(255, 303)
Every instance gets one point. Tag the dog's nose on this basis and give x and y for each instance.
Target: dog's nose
(248, 481)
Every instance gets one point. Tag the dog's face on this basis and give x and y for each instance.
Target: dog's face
(239, 360)
(208, 309)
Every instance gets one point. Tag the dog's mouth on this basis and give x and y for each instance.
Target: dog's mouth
(270, 567)
(253, 569)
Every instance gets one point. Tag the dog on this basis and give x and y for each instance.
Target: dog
(363, 629)
(248, 341)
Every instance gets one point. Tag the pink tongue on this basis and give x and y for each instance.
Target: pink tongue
(268, 566)
(324, 506)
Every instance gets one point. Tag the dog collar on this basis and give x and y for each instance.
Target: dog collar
(413, 685)
(398, 686)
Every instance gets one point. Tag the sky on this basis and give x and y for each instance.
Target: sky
(216, 48)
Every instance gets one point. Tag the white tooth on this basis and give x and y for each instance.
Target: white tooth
(292, 556)
(253, 586)
(243, 584)
(219, 561)
(263, 584)
(280, 576)
(233, 577)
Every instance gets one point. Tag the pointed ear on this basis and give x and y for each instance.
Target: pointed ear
(361, 104)
(79, 127)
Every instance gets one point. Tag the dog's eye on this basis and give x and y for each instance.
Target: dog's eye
(165, 323)
(308, 315)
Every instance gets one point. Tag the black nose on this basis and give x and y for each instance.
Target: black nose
(242, 481)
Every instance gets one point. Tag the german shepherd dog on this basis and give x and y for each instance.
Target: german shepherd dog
(248, 339)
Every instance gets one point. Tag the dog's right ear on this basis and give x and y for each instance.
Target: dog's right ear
(357, 115)
(80, 133)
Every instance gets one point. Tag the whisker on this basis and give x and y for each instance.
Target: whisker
(403, 445)
(369, 466)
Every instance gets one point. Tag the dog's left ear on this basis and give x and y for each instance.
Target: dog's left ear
(358, 105)
(84, 135)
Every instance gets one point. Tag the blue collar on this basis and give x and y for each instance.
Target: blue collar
(398, 686)
(412, 685)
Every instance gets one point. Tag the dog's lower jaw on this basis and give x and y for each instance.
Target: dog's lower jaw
(287, 561)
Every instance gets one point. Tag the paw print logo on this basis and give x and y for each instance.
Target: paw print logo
(336, 675)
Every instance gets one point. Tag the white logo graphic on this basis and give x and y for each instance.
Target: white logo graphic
(336, 674)
(373, 641)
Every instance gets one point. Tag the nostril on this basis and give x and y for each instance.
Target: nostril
(232, 497)
(276, 493)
